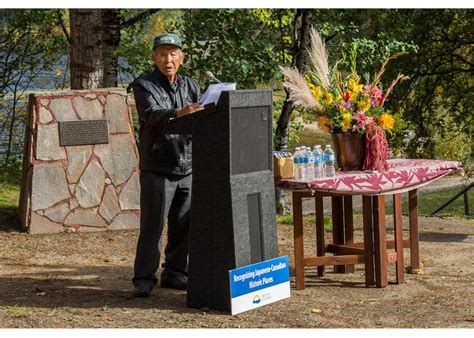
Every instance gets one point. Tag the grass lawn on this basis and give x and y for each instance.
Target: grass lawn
(9, 191)
(307, 220)
(429, 202)
(310, 138)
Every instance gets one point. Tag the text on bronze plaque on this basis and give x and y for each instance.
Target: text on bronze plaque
(76, 133)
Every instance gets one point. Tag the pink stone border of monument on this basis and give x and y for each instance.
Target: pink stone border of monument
(79, 188)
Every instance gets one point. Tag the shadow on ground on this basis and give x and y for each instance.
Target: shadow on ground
(442, 237)
(9, 220)
(59, 286)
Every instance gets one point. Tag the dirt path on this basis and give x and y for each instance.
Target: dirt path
(83, 280)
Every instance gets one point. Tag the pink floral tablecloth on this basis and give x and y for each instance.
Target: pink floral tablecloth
(402, 175)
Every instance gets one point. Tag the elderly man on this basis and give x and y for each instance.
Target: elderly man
(165, 168)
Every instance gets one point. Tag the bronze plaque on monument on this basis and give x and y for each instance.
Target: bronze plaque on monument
(78, 133)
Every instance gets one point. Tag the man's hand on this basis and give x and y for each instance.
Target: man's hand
(189, 109)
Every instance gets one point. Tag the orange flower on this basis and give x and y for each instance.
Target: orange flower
(324, 124)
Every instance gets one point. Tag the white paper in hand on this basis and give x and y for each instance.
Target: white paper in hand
(213, 92)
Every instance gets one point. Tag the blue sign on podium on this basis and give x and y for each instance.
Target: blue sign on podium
(259, 284)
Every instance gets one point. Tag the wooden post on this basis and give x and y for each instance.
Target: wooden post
(320, 250)
(414, 237)
(381, 278)
(338, 227)
(348, 227)
(368, 240)
(398, 226)
(298, 240)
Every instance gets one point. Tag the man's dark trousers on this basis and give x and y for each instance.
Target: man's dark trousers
(161, 196)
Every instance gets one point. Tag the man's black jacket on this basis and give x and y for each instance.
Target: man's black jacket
(157, 100)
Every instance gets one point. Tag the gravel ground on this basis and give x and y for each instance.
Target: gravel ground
(83, 281)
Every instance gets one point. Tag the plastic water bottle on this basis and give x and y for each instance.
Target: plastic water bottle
(318, 162)
(329, 165)
(296, 162)
(310, 165)
(303, 163)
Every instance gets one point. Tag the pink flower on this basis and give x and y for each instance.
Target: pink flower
(366, 89)
(362, 121)
(377, 92)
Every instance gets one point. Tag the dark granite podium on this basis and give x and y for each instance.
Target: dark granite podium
(233, 198)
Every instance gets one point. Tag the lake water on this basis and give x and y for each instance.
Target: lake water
(55, 79)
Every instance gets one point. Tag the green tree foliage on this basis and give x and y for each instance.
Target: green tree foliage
(240, 45)
(136, 41)
(31, 42)
(437, 102)
(377, 33)
(248, 45)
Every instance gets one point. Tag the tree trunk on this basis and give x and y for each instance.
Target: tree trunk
(111, 42)
(283, 123)
(87, 52)
(95, 36)
(300, 62)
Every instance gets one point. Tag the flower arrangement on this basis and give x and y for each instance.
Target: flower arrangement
(345, 103)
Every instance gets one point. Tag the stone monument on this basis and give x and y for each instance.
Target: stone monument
(80, 165)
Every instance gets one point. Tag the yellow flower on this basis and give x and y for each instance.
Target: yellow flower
(328, 98)
(386, 121)
(316, 90)
(364, 104)
(354, 87)
(324, 124)
(346, 122)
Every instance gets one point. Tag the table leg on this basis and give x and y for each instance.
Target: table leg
(397, 219)
(298, 240)
(414, 239)
(380, 239)
(368, 240)
(320, 250)
(338, 227)
(348, 227)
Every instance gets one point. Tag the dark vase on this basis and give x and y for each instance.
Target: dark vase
(350, 150)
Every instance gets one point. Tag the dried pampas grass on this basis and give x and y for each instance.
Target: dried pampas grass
(319, 58)
(299, 91)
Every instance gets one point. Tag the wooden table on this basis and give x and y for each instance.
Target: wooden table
(402, 176)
